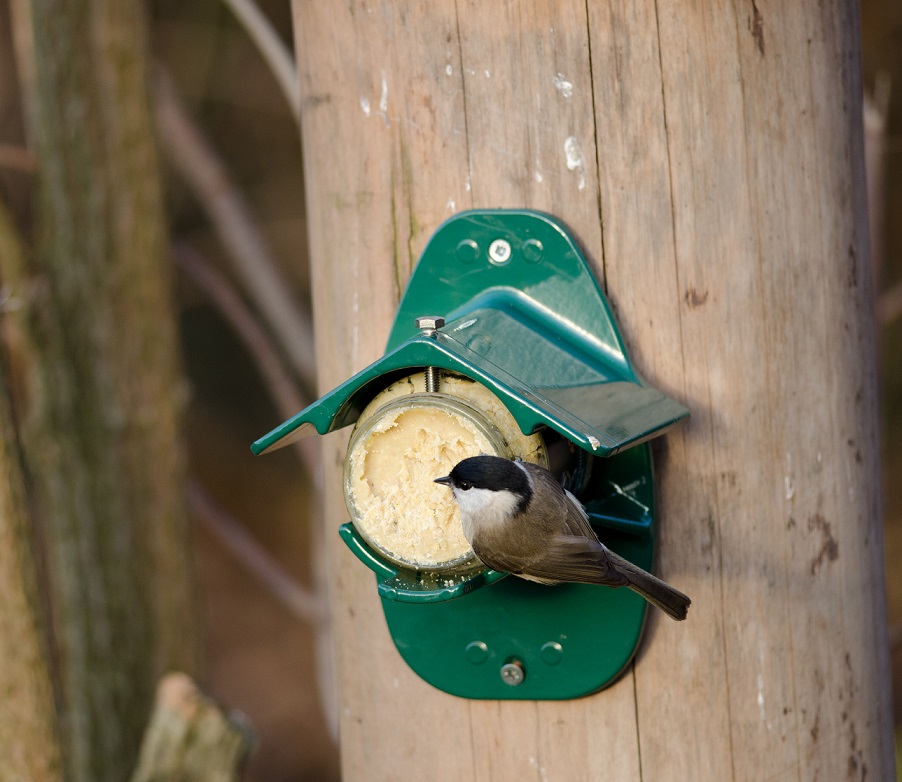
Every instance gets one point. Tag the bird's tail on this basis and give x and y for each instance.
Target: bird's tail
(671, 601)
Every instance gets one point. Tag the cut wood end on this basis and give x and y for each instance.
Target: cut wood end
(177, 692)
(190, 738)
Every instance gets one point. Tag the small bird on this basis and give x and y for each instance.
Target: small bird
(519, 520)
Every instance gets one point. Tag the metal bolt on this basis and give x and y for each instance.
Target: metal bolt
(512, 673)
(429, 324)
(500, 252)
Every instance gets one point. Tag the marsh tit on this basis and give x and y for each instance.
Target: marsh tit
(519, 520)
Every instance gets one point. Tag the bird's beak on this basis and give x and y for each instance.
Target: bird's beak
(446, 480)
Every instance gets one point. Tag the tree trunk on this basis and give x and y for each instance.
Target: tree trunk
(102, 398)
(708, 156)
(29, 730)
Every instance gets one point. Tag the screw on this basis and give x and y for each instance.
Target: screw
(500, 252)
(512, 673)
(429, 324)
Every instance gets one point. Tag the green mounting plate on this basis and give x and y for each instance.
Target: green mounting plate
(526, 318)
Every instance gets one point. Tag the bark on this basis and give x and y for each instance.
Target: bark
(102, 394)
(29, 739)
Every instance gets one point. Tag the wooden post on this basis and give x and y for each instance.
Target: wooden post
(708, 156)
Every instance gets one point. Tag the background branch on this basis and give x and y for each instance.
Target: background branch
(206, 175)
(274, 51)
(260, 348)
(242, 545)
(16, 158)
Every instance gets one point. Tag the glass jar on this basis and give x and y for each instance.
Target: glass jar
(393, 459)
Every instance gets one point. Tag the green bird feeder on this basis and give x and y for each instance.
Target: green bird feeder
(503, 343)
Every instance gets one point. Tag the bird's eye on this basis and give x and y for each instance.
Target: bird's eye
(463, 485)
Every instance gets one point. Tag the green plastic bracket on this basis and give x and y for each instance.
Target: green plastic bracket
(526, 318)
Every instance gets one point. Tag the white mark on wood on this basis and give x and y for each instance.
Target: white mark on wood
(761, 711)
(790, 488)
(575, 161)
(488, 73)
(449, 70)
(788, 482)
(538, 177)
(365, 105)
(383, 100)
(451, 205)
(543, 773)
(562, 85)
(469, 184)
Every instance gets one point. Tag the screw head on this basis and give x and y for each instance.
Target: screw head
(512, 673)
(429, 323)
(500, 251)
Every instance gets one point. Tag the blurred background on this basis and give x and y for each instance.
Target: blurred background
(260, 640)
(261, 654)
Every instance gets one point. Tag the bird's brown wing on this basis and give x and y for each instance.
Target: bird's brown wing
(576, 559)
(504, 562)
(565, 507)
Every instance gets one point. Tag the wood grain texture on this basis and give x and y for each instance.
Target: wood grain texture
(708, 158)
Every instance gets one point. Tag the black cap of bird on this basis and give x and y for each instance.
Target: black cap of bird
(519, 520)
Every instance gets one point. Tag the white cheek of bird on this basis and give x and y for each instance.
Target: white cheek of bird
(493, 508)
